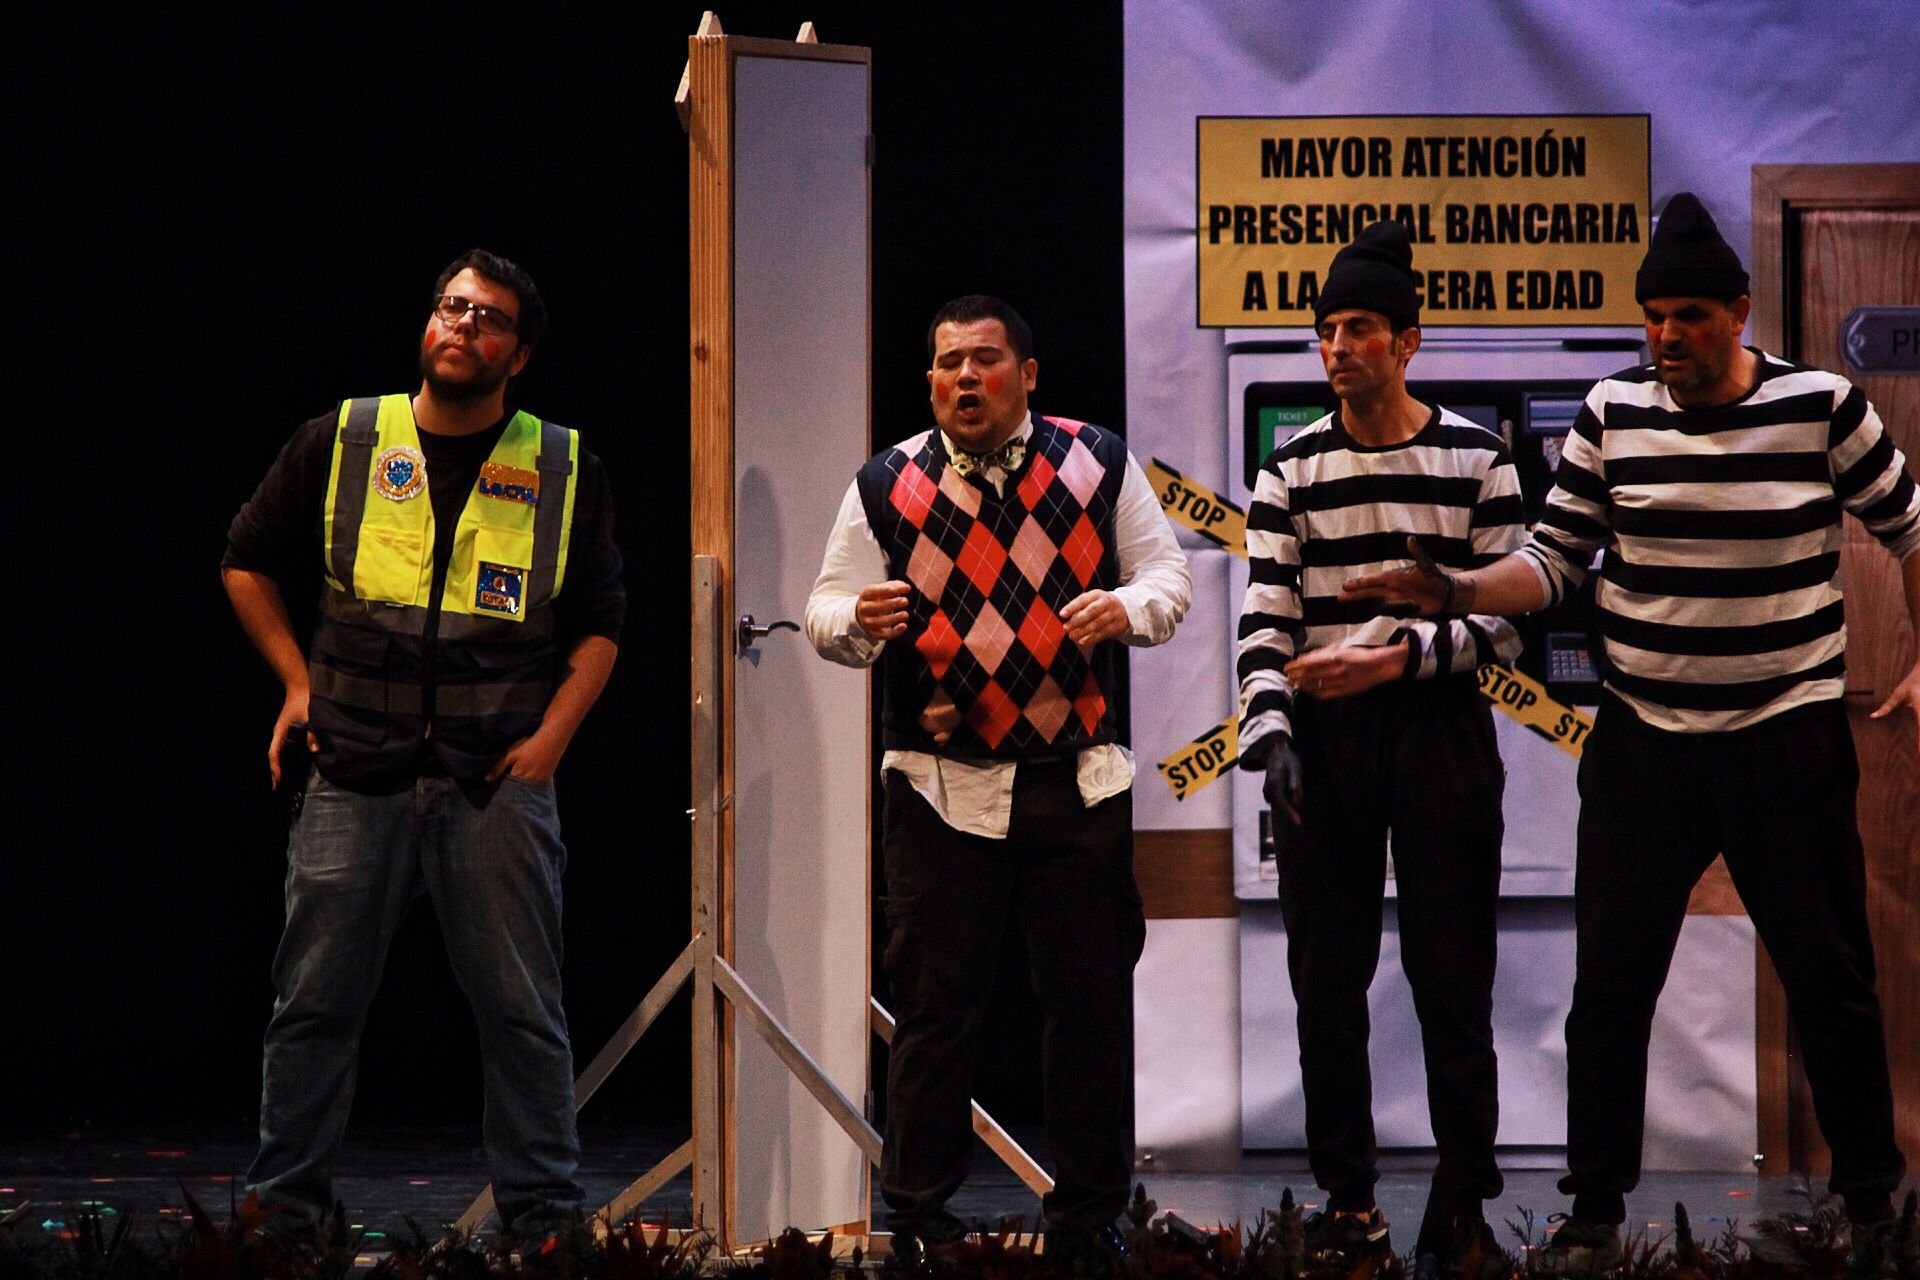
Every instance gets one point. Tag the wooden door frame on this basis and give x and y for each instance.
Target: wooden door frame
(1780, 193)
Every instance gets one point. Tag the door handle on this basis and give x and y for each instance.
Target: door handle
(749, 632)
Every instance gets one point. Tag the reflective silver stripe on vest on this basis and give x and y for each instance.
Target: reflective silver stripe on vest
(475, 700)
(487, 700)
(379, 615)
(411, 620)
(364, 693)
(357, 439)
(548, 518)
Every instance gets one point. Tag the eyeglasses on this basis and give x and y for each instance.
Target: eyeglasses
(452, 308)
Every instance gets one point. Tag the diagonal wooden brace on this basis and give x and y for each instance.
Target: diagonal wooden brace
(603, 1064)
(646, 1184)
(998, 1140)
(804, 1068)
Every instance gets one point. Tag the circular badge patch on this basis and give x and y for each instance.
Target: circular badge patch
(400, 473)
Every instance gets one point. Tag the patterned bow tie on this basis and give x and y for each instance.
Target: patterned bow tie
(1007, 457)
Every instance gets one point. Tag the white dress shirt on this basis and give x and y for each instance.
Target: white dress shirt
(1154, 587)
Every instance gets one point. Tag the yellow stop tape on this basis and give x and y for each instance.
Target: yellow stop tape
(1525, 699)
(1519, 697)
(1208, 756)
(1199, 508)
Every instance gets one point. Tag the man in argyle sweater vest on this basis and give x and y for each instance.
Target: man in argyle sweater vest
(987, 565)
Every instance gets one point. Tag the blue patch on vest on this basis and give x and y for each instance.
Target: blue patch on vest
(499, 589)
(491, 488)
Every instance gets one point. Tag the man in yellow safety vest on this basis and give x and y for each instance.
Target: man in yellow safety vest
(469, 614)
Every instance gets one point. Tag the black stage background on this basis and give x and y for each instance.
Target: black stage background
(230, 223)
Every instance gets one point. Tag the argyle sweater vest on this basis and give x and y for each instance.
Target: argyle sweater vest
(986, 659)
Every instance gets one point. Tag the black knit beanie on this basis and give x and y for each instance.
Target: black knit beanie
(1374, 273)
(1687, 258)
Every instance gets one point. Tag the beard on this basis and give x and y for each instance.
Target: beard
(1695, 377)
(482, 382)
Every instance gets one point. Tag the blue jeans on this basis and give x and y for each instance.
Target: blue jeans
(493, 870)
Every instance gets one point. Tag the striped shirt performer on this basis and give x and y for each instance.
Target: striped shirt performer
(1365, 721)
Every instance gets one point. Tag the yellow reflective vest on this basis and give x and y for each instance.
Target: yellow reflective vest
(395, 668)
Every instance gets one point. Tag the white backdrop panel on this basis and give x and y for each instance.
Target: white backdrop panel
(1727, 85)
(1198, 673)
(1700, 1066)
(1531, 991)
(1186, 1034)
(1700, 1112)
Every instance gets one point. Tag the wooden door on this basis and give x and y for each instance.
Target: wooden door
(779, 343)
(1827, 239)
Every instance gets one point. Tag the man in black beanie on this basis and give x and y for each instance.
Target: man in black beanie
(1714, 478)
(1366, 721)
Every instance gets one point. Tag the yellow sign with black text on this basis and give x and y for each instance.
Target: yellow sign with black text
(1203, 760)
(1199, 508)
(1515, 220)
(1524, 699)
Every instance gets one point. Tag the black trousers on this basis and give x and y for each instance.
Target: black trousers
(1064, 876)
(1777, 799)
(1421, 761)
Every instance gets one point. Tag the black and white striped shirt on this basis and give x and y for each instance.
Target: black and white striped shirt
(1326, 509)
(1718, 595)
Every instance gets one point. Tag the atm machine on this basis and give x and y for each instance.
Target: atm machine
(1526, 385)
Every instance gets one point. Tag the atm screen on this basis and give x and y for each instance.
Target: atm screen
(1552, 415)
(1272, 419)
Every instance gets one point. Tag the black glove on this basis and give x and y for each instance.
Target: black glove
(1281, 763)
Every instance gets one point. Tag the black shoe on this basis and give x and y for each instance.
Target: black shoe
(1582, 1247)
(1872, 1252)
(914, 1240)
(1347, 1239)
(1464, 1248)
(1072, 1248)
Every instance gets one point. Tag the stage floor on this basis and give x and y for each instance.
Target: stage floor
(430, 1175)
